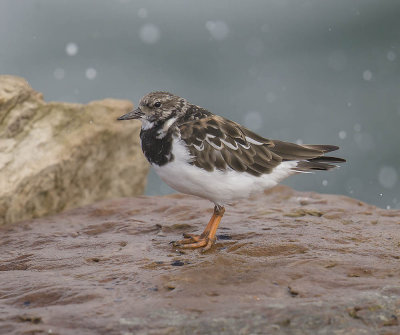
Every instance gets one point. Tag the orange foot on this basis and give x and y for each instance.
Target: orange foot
(207, 238)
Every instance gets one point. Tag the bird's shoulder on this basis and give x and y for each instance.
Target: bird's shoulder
(202, 123)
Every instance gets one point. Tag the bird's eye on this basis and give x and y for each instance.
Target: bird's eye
(157, 104)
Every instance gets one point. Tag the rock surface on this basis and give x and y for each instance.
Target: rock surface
(285, 263)
(55, 156)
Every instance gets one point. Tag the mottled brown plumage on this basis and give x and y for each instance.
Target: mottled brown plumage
(217, 143)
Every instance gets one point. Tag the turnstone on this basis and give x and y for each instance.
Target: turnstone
(197, 152)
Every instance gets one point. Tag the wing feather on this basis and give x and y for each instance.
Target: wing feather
(226, 144)
(218, 143)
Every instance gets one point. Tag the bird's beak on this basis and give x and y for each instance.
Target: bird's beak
(135, 114)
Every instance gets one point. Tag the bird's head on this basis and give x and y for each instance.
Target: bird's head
(157, 107)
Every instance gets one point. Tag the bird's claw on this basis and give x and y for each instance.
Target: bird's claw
(194, 241)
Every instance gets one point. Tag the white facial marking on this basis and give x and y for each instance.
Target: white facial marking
(146, 124)
(169, 123)
(163, 131)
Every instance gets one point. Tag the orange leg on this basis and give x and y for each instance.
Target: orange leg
(207, 238)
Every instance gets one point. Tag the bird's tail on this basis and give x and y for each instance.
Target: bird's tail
(309, 157)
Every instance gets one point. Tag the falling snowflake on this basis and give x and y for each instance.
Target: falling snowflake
(90, 73)
(367, 75)
(387, 176)
(71, 49)
(218, 29)
(149, 33)
(342, 134)
(391, 55)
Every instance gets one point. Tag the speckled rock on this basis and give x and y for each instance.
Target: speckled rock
(285, 263)
(55, 156)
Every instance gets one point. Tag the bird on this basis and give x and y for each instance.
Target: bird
(200, 153)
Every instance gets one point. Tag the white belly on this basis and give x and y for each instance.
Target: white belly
(218, 186)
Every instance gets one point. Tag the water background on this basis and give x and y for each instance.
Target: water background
(311, 71)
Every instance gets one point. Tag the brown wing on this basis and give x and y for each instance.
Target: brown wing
(218, 143)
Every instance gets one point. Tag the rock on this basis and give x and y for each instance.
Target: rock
(55, 156)
(108, 268)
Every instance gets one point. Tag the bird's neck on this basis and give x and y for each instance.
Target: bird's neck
(156, 139)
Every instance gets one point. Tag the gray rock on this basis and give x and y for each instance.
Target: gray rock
(55, 156)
